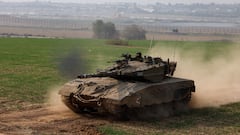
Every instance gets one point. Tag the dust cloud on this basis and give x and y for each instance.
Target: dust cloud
(217, 80)
(54, 101)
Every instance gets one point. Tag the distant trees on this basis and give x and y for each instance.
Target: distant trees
(108, 31)
(104, 30)
(133, 32)
(175, 30)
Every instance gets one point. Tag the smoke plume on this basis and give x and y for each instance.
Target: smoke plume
(72, 64)
(217, 80)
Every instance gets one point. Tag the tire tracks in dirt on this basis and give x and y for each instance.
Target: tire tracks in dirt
(41, 119)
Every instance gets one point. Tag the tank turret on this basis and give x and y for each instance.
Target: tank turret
(137, 68)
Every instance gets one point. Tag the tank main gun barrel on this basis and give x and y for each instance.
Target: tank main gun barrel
(100, 74)
(91, 75)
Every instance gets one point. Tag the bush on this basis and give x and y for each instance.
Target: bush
(104, 30)
(133, 32)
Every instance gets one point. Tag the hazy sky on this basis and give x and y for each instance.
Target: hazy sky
(137, 1)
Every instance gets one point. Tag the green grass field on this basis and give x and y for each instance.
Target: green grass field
(28, 68)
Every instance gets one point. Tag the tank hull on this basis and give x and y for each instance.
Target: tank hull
(127, 99)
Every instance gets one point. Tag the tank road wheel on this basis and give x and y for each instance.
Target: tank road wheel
(71, 103)
(121, 113)
(182, 105)
(152, 112)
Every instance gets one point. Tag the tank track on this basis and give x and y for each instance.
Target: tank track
(71, 103)
(156, 111)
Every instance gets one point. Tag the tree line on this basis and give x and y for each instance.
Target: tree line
(107, 30)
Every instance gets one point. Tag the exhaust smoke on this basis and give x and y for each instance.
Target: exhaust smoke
(72, 64)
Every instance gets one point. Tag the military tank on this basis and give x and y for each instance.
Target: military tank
(139, 87)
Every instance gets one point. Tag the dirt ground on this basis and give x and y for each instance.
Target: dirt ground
(69, 33)
(58, 33)
(42, 119)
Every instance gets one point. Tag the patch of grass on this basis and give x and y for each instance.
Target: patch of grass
(209, 50)
(110, 130)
